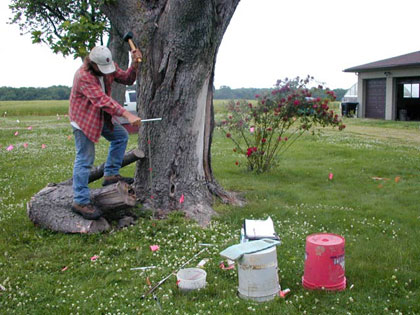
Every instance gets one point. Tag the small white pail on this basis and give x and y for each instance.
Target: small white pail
(191, 279)
(258, 278)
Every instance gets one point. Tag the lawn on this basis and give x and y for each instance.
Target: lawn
(373, 201)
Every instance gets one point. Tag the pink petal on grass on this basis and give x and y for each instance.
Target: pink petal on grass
(25, 145)
(330, 176)
(10, 148)
(16, 133)
(30, 128)
(181, 200)
(154, 248)
(43, 146)
(94, 258)
(64, 268)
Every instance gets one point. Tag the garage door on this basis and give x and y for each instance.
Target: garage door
(375, 98)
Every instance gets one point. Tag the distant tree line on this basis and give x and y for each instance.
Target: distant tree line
(60, 92)
(226, 93)
(56, 92)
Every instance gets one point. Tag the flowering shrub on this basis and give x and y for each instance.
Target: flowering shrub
(262, 132)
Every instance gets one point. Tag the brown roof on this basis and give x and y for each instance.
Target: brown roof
(407, 60)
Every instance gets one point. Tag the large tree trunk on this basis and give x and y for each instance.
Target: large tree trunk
(179, 40)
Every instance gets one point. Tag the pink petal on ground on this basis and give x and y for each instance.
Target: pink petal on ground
(16, 133)
(64, 268)
(43, 146)
(330, 176)
(25, 145)
(93, 258)
(154, 248)
(10, 148)
(181, 200)
(30, 128)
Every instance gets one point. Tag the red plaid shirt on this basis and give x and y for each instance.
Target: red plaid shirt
(88, 100)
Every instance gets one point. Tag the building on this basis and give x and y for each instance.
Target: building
(389, 89)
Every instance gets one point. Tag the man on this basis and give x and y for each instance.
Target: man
(91, 111)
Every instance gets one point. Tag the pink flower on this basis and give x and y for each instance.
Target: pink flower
(30, 128)
(94, 258)
(25, 145)
(10, 147)
(330, 176)
(154, 248)
(16, 133)
(296, 102)
(181, 200)
(252, 129)
(43, 146)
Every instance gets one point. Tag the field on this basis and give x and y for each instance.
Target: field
(373, 201)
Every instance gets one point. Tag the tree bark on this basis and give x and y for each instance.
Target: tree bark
(179, 40)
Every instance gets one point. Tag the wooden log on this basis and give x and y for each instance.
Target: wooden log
(97, 172)
(50, 208)
(130, 157)
(114, 197)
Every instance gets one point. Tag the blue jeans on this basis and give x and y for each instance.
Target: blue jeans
(85, 156)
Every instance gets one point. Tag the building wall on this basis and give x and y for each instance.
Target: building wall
(391, 97)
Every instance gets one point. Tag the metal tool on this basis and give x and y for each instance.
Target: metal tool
(151, 119)
(157, 285)
(128, 37)
(154, 295)
(143, 268)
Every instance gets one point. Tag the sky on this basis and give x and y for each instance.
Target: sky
(266, 40)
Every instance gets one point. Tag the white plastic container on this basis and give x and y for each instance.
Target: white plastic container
(257, 274)
(191, 279)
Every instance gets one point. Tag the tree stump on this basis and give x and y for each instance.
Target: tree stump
(50, 208)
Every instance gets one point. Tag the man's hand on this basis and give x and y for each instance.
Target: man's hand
(132, 119)
(135, 56)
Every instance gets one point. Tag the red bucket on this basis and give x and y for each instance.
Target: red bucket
(324, 262)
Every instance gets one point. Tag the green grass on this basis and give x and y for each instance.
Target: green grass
(36, 108)
(378, 218)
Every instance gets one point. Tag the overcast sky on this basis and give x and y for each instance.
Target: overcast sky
(265, 41)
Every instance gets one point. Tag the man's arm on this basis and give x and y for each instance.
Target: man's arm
(129, 76)
(132, 119)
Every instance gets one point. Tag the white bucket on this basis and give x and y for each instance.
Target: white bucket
(258, 278)
(191, 279)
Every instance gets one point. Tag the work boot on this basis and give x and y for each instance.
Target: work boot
(108, 180)
(89, 211)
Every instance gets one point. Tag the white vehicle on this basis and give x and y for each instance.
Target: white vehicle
(130, 102)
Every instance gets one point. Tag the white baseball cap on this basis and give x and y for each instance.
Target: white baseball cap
(102, 56)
